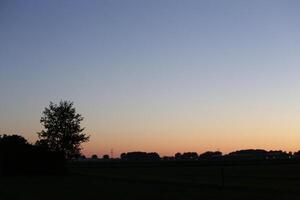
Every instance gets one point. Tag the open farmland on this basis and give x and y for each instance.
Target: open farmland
(160, 180)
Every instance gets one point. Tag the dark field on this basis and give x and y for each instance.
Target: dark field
(160, 180)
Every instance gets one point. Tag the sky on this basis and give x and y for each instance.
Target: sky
(166, 76)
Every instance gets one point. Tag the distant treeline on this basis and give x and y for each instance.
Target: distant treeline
(140, 156)
(17, 156)
(248, 154)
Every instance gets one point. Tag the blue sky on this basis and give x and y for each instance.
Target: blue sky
(145, 71)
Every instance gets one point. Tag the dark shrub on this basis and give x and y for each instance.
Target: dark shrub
(17, 157)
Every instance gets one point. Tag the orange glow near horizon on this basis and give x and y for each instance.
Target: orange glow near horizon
(182, 131)
(225, 137)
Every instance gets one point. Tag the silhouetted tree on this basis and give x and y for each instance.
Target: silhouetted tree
(62, 132)
(94, 156)
(105, 157)
(278, 155)
(123, 156)
(249, 154)
(153, 156)
(186, 156)
(140, 156)
(296, 155)
(210, 155)
(189, 156)
(178, 156)
(43, 143)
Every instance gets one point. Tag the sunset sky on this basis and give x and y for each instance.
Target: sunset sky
(166, 76)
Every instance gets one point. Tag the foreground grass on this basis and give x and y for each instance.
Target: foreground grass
(281, 177)
(98, 181)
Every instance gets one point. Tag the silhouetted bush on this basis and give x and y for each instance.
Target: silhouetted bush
(105, 157)
(17, 157)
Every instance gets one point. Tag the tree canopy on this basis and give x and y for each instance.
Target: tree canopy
(62, 129)
(12, 140)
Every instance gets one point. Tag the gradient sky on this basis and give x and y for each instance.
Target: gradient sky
(162, 76)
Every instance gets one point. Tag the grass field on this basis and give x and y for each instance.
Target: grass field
(99, 180)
